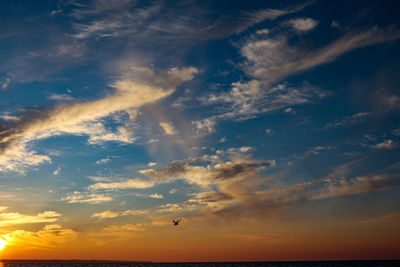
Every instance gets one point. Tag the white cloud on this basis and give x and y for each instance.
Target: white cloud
(152, 164)
(103, 161)
(84, 197)
(126, 184)
(57, 171)
(168, 128)
(303, 24)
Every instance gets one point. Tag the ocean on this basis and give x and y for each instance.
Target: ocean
(79, 263)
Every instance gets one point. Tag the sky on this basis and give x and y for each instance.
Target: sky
(270, 128)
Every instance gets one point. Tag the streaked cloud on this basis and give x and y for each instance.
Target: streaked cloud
(126, 184)
(387, 144)
(61, 97)
(84, 197)
(384, 218)
(105, 214)
(12, 218)
(137, 88)
(125, 227)
(349, 120)
(113, 214)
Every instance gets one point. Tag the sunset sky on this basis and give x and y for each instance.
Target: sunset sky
(271, 128)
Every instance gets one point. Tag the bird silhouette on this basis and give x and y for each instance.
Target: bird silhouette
(176, 222)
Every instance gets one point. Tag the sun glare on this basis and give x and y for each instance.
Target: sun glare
(3, 243)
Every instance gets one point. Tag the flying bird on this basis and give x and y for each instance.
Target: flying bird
(176, 222)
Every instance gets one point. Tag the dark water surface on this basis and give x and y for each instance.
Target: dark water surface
(31, 263)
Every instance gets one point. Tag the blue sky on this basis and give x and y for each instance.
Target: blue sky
(132, 112)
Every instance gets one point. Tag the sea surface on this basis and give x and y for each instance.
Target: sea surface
(78, 263)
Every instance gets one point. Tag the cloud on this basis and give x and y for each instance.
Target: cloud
(127, 184)
(48, 237)
(160, 22)
(349, 120)
(208, 170)
(231, 185)
(113, 214)
(168, 208)
(105, 214)
(168, 128)
(12, 218)
(157, 196)
(269, 132)
(272, 59)
(173, 191)
(103, 161)
(5, 84)
(384, 218)
(138, 87)
(341, 187)
(123, 228)
(90, 198)
(151, 164)
(205, 126)
(60, 97)
(387, 100)
(387, 144)
(316, 150)
(248, 99)
(57, 171)
(303, 24)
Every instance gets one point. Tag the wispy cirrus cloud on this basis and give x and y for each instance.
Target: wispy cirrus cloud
(85, 197)
(384, 218)
(158, 21)
(349, 120)
(135, 89)
(269, 59)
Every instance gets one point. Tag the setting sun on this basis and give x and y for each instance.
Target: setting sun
(3, 243)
